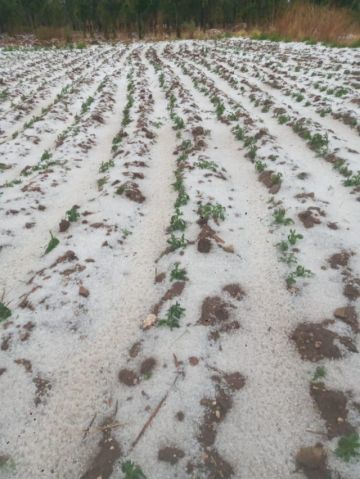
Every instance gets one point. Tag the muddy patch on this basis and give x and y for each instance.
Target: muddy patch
(352, 290)
(25, 363)
(135, 349)
(311, 217)
(109, 451)
(214, 310)
(339, 259)
(235, 291)
(315, 342)
(348, 315)
(128, 377)
(269, 179)
(333, 409)
(147, 366)
(42, 389)
(171, 455)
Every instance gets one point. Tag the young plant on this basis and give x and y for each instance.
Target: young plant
(215, 212)
(348, 447)
(276, 178)
(106, 165)
(177, 223)
(293, 237)
(132, 471)
(238, 132)
(5, 312)
(260, 166)
(72, 215)
(206, 165)
(300, 272)
(101, 182)
(173, 316)
(182, 199)
(177, 273)
(46, 156)
(52, 243)
(177, 243)
(281, 219)
(320, 373)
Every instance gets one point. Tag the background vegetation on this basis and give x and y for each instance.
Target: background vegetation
(49, 18)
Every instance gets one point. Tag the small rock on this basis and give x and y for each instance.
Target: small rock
(194, 361)
(149, 322)
(83, 292)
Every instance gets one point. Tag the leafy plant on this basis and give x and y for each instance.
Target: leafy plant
(173, 316)
(319, 143)
(132, 471)
(353, 181)
(282, 119)
(101, 182)
(260, 166)
(85, 107)
(300, 272)
(46, 156)
(215, 212)
(280, 217)
(182, 199)
(276, 178)
(106, 165)
(177, 223)
(320, 373)
(238, 132)
(348, 447)
(177, 273)
(176, 242)
(72, 214)
(5, 312)
(293, 237)
(206, 165)
(52, 243)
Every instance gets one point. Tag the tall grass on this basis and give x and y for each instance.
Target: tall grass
(304, 20)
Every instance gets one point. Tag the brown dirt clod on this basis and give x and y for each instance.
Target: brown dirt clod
(171, 455)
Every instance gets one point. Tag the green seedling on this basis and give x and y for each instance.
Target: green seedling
(288, 258)
(293, 237)
(178, 123)
(319, 143)
(260, 166)
(46, 156)
(177, 273)
(5, 312)
(176, 242)
(72, 215)
(348, 447)
(281, 219)
(182, 199)
(215, 212)
(177, 223)
(300, 272)
(282, 119)
(85, 107)
(353, 181)
(320, 373)
(53, 243)
(101, 182)
(106, 165)
(132, 471)
(173, 316)
(126, 232)
(206, 165)
(283, 246)
(238, 132)
(276, 178)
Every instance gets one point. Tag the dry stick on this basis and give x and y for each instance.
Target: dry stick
(152, 416)
(86, 432)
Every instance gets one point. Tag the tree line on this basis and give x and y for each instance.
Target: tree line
(142, 16)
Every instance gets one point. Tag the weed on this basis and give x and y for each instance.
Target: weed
(52, 243)
(252, 152)
(72, 215)
(280, 217)
(177, 223)
(132, 471)
(5, 312)
(283, 246)
(176, 242)
(179, 123)
(289, 258)
(293, 237)
(348, 447)
(320, 373)
(215, 212)
(173, 315)
(178, 274)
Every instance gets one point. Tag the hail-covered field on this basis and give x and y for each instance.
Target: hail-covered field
(179, 261)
